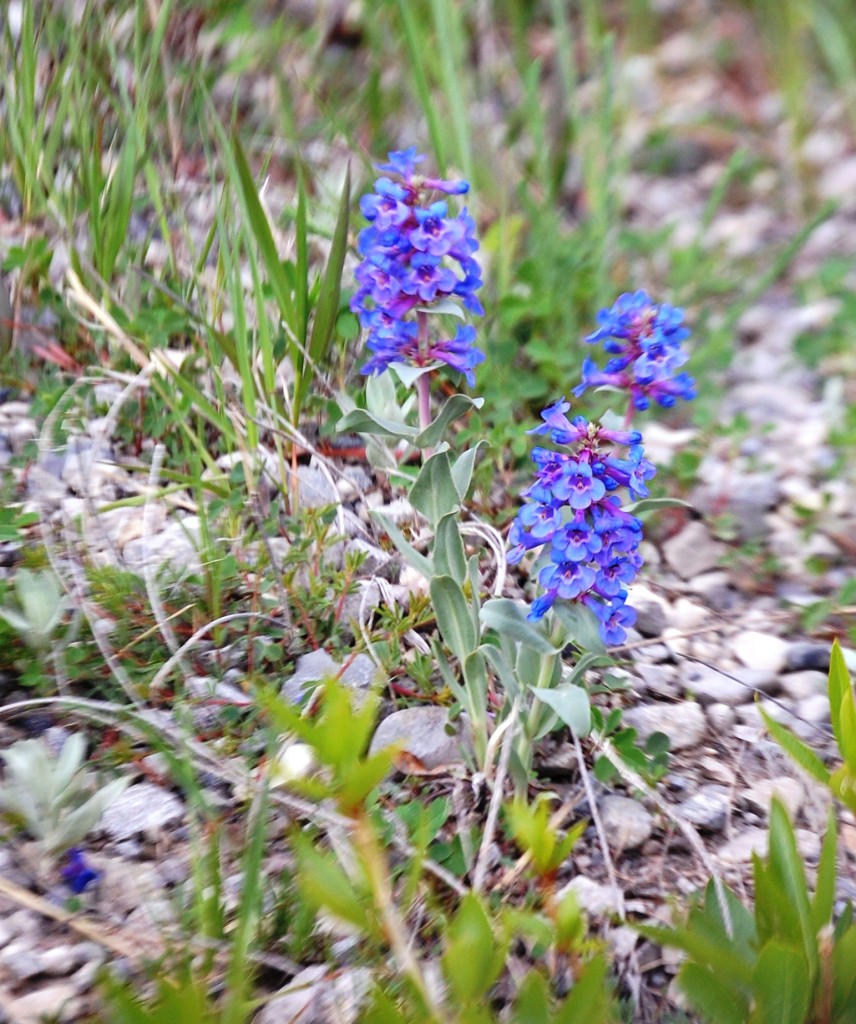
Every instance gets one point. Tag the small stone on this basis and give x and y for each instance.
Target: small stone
(361, 673)
(683, 723)
(58, 1002)
(659, 680)
(315, 488)
(721, 717)
(142, 808)
(424, 734)
(761, 650)
(687, 615)
(650, 608)
(693, 551)
(594, 897)
(740, 849)
(315, 996)
(808, 657)
(715, 589)
(815, 709)
(19, 960)
(788, 790)
(64, 960)
(375, 561)
(627, 823)
(799, 685)
(708, 808)
(311, 668)
(711, 687)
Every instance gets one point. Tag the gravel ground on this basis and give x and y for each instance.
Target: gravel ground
(770, 530)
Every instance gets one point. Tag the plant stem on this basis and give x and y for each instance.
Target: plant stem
(423, 385)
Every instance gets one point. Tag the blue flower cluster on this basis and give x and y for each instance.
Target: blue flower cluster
(77, 872)
(644, 340)
(415, 254)
(573, 508)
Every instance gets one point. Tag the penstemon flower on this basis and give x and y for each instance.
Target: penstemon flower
(415, 255)
(574, 509)
(77, 872)
(644, 339)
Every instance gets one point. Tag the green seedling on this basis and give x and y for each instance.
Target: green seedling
(53, 798)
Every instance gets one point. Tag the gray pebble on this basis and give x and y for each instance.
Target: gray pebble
(142, 808)
(627, 823)
(798, 685)
(683, 723)
(693, 551)
(807, 657)
(708, 808)
(423, 734)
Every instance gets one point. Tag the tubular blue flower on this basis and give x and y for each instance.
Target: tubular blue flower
(459, 352)
(574, 514)
(77, 873)
(415, 254)
(644, 340)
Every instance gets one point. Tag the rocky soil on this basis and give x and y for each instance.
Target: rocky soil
(771, 529)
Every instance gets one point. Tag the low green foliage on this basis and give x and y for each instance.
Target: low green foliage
(52, 797)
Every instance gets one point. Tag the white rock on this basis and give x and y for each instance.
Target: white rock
(58, 1002)
(627, 823)
(142, 808)
(740, 849)
(422, 733)
(761, 650)
(683, 723)
(798, 685)
(693, 551)
(594, 897)
(788, 790)
(721, 717)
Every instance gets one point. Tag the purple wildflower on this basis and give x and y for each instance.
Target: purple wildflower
(575, 515)
(77, 873)
(644, 340)
(415, 254)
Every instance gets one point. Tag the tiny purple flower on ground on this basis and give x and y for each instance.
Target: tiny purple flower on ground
(77, 873)
(575, 514)
(644, 339)
(415, 254)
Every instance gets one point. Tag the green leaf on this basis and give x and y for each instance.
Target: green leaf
(581, 625)
(454, 407)
(449, 555)
(571, 704)
(361, 421)
(645, 505)
(263, 235)
(787, 866)
(462, 469)
(839, 685)
(453, 616)
(589, 1001)
(433, 492)
(508, 618)
(327, 303)
(804, 756)
(532, 1004)
(712, 995)
(782, 985)
(444, 307)
(843, 970)
(326, 886)
(708, 950)
(847, 727)
(824, 893)
(414, 558)
(470, 961)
